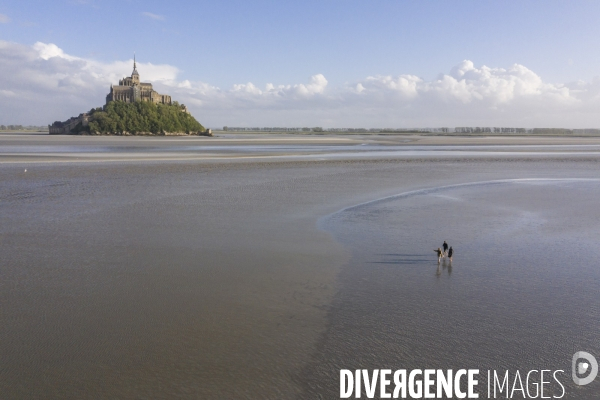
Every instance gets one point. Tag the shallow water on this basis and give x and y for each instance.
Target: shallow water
(520, 294)
(210, 280)
(157, 149)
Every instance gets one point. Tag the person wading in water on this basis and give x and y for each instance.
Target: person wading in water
(440, 254)
(450, 252)
(445, 247)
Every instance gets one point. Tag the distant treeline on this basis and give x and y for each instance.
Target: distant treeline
(140, 117)
(317, 129)
(457, 130)
(23, 128)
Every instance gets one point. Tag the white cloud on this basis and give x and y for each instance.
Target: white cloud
(47, 84)
(153, 16)
(50, 50)
(42, 83)
(316, 85)
(4, 19)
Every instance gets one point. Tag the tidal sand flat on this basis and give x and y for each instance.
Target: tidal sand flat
(218, 274)
(521, 292)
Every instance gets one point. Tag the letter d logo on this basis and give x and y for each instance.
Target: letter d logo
(580, 368)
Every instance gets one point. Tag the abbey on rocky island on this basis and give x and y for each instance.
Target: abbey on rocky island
(129, 90)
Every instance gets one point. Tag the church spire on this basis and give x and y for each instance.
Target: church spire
(135, 73)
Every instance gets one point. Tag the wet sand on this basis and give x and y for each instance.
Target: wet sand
(37, 148)
(521, 292)
(128, 274)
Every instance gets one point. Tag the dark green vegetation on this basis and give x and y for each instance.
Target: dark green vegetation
(140, 117)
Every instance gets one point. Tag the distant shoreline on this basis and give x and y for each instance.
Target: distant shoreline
(407, 133)
(24, 131)
(339, 133)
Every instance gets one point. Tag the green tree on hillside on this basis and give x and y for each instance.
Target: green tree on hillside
(142, 116)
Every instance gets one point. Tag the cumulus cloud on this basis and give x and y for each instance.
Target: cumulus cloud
(467, 84)
(42, 83)
(153, 16)
(4, 19)
(316, 85)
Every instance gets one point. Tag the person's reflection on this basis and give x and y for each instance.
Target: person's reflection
(445, 265)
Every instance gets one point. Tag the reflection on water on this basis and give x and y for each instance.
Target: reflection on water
(446, 265)
(522, 293)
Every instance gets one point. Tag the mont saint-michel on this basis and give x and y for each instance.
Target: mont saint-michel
(133, 108)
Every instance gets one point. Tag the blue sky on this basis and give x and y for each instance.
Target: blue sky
(213, 46)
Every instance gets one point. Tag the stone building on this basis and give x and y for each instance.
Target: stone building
(64, 128)
(130, 89)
